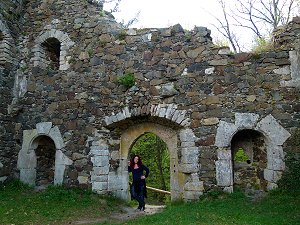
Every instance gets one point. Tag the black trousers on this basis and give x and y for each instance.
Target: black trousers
(137, 193)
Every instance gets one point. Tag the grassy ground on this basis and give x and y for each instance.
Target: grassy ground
(277, 208)
(19, 204)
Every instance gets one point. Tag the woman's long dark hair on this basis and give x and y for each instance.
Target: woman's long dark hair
(139, 163)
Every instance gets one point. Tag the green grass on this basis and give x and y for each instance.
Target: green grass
(20, 204)
(277, 208)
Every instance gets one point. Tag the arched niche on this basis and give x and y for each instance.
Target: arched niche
(44, 133)
(274, 137)
(51, 49)
(249, 159)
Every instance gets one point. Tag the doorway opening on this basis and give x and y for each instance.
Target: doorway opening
(249, 159)
(155, 155)
(45, 155)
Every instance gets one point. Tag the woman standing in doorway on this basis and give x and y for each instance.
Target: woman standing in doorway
(138, 188)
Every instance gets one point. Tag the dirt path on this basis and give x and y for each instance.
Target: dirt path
(126, 214)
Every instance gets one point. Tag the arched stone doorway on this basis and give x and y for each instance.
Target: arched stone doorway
(249, 159)
(36, 143)
(109, 150)
(155, 155)
(274, 137)
(169, 136)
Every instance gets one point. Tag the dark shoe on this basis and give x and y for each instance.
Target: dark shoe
(139, 208)
(143, 208)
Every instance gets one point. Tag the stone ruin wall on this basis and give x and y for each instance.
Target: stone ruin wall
(10, 13)
(183, 83)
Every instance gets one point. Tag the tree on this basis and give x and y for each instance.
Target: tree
(224, 28)
(114, 7)
(261, 17)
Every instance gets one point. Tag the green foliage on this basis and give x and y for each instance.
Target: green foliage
(127, 80)
(155, 156)
(240, 156)
(262, 45)
(122, 35)
(290, 180)
(102, 13)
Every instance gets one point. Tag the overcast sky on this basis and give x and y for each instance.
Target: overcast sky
(164, 13)
(188, 13)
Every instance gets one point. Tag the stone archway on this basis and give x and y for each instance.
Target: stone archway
(65, 42)
(27, 158)
(110, 167)
(169, 136)
(274, 135)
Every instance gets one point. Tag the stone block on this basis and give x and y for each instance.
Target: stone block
(83, 179)
(187, 135)
(272, 176)
(99, 150)
(180, 117)
(59, 174)
(170, 111)
(210, 70)
(100, 161)
(220, 62)
(188, 168)
(190, 155)
(103, 178)
(43, 128)
(273, 130)
(26, 160)
(187, 144)
(210, 121)
(192, 195)
(77, 156)
(228, 189)
(275, 164)
(28, 136)
(246, 120)
(194, 186)
(224, 134)
(224, 154)
(97, 171)
(28, 176)
(271, 186)
(224, 173)
(57, 137)
(99, 186)
(1, 165)
(62, 159)
(2, 179)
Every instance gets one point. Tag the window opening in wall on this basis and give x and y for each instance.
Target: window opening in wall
(52, 52)
(45, 154)
(155, 155)
(249, 159)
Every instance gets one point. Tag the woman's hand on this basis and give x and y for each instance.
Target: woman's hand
(143, 177)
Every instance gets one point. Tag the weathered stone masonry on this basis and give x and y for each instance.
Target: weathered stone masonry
(195, 96)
